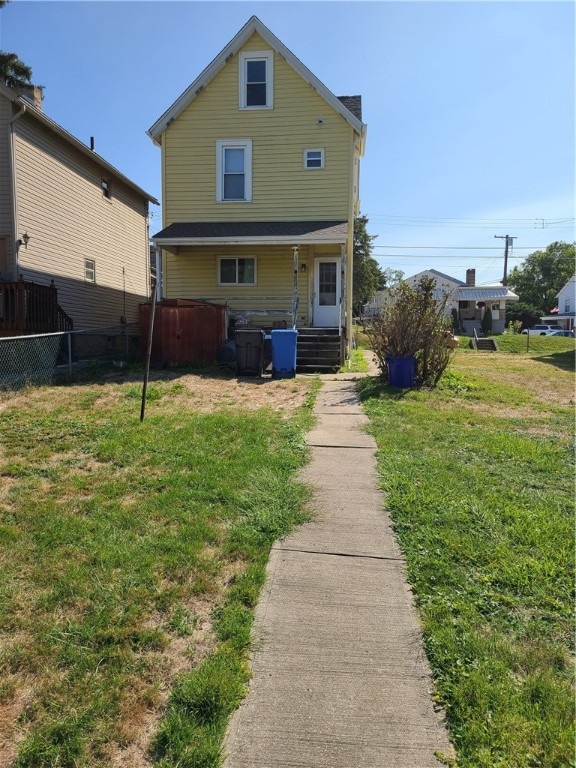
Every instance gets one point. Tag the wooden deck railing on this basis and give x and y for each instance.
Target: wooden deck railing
(30, 308)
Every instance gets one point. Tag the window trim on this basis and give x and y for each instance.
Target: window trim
(237, 284)
(246, 145)
(91, 269)
(245, 57)
(314, 167)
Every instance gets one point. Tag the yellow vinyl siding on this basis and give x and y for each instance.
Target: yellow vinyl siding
(281, 187)
(193, 274)
(60, 204)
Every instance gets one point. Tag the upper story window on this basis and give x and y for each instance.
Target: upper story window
(234, 171)
(89, 270)
(106, 191)
(256, 79)
(313, 158)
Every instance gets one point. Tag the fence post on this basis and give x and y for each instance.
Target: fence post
(69, 335)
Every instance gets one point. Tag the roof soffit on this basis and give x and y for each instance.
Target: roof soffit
(253, 25)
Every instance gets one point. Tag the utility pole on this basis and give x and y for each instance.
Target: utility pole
(508, 245)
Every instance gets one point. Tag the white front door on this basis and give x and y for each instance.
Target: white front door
(327, 292)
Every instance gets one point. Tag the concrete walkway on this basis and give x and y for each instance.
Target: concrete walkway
(340, 678)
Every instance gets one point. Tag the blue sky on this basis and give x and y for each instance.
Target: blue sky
(469, 105)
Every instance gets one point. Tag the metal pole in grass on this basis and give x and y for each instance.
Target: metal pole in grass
(148, 353)
(69, 339)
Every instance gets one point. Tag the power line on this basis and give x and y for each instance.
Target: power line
(447, 256)
(460, 247)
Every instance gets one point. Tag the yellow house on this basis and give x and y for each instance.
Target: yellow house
(260, 173)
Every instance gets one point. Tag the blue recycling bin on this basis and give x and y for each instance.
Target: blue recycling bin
(284, 343)
(401, 371)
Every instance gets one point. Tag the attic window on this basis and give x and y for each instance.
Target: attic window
(106, 192)
(256, 79)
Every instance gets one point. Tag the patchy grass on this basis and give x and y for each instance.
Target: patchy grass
(360, 337)
(479, 479)
(356, 363)
(132, 555)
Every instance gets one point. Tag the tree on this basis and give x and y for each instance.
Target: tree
(367, 275)
(486, 323)
(13, 72)
(525, 314)
(542, 275)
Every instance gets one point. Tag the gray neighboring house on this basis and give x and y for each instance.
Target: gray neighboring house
(74, 240)
(468, 299)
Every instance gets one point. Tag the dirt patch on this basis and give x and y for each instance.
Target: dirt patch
(204, 395)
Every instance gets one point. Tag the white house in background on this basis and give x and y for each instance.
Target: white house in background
(469, 300)
(566, 304)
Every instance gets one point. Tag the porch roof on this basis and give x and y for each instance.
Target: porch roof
(253, 233)
(487, 292)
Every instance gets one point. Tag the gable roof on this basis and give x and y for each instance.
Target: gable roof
(437, 274)
(42, 118)
(567, 286)
(353, 104)
(347, 106)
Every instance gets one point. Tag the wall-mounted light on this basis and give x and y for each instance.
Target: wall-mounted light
(25, 239)
(302, 267)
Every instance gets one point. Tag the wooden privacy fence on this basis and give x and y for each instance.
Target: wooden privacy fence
(31, 308)
(185, 331)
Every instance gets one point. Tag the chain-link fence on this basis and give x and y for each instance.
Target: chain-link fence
(39, 359)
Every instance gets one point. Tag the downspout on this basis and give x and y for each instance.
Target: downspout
(12, 159)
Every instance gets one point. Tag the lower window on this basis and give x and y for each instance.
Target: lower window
(237, 271)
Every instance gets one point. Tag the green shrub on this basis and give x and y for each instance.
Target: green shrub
(414, 324)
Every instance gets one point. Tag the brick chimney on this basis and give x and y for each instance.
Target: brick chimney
(33, 94)
(471, 277)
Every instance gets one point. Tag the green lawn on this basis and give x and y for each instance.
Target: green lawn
(479, 479)
(131, 556)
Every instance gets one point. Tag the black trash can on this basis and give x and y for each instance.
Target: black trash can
(249, 351)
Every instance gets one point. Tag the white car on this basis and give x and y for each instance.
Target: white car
(542, 330)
